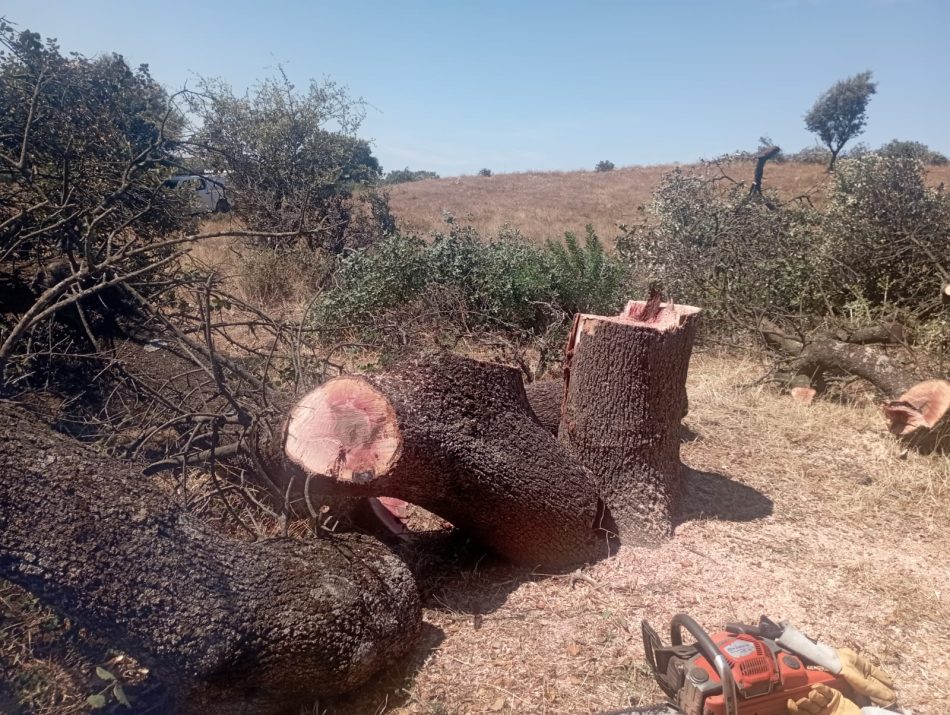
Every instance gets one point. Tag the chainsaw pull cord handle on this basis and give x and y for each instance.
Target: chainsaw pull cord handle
(711, 652)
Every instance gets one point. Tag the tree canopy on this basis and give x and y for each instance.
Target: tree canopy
(291, 158)
(840, 114)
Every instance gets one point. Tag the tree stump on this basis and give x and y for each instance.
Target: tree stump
(625, 398)
(227, 626)
(456, 437)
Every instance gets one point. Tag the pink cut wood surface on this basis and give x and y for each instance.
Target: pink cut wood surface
(344, 429)
(923, 405)
(663, 317)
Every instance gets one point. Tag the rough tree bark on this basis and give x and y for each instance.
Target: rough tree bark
(230, 627)
(546, 397)
(625, 397)
(454, 436)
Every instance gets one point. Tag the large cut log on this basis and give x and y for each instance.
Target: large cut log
(228, 626)
(625, 398)
(456, 437)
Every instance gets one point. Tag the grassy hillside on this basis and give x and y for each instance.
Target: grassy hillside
(546, 204)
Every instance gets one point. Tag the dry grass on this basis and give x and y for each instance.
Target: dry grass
(804, 513)
(546, 204)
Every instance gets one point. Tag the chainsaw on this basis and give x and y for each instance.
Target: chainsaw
(738, 671)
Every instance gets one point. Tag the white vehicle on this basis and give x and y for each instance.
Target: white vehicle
(208, 195)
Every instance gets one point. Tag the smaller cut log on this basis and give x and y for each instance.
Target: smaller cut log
(921, 415)
(458, 438)
(625, 397)
(803, 395)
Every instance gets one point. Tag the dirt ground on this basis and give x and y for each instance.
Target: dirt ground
(801, 513)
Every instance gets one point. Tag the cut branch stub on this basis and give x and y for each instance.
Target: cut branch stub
(456, 437)
(625, 397)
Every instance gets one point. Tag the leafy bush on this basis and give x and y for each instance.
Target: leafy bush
(501, 284)
(886, 234)
(604, 165)
(401, 176)
(721, 248)
(292, 158)
(898, 149)
(585, 279)
(85, 145)
(484, 172)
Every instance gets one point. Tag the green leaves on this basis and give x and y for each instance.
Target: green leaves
(97, 701)
(841, 112)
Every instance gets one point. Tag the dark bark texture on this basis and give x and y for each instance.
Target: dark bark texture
(473, 453)
(229, 627)
(868, 362)
(546, 398)
(626, 396)
(859, 353)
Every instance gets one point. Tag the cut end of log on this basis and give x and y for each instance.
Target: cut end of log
(665, 317)
(922, 406)
(346, 430)
(803, 395)
(391, 513)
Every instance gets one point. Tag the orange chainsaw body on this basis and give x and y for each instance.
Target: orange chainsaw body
(741, 670)
(766, 678)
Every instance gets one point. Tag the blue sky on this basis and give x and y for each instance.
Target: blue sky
(457, 86)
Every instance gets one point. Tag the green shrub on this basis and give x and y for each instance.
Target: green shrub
(501, 284)
(370, 280)
(401, 176)
(484, 172)
(719, 247)
(898, 149)
(605, 165)
(585, 279)
(885, 233)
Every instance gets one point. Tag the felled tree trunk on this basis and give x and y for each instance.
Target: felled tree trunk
(454, 436)
(918, 410)
(229, 627)
(859, 356)
(625, 397)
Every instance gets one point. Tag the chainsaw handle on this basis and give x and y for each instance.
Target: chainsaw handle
(710, 651)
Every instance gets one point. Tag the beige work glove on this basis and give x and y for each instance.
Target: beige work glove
(822, 700)
(865, 678)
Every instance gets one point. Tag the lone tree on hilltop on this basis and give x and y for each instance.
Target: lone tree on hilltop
(841, 113)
